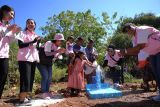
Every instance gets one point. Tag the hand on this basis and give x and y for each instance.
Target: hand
(35, 40)
(62, 50)
(11, 27)
(122, 51)
(16, 30)
(38, 38)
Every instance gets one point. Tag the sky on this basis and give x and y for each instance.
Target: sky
(40, 10)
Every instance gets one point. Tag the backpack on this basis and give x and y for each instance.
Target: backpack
(45, 60)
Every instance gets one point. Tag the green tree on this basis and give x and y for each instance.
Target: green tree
(82, 24)
(149, 19)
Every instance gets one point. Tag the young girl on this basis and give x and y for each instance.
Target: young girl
(27, 59)
(7, 34)
(76, 78)
(69, 53)
(69, 45)
(47, 53)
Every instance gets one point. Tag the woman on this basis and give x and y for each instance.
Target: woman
(7, 35)
(27, 59)
(47, 53)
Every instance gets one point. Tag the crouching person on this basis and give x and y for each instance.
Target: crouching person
(112, 60)
(47, 53)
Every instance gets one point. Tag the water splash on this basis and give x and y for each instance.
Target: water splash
(98, 77)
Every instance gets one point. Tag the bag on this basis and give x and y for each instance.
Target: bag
(45, 60)
(117, 62)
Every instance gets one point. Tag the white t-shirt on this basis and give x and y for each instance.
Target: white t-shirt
(111, 62)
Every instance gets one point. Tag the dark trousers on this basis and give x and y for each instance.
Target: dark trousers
(4, 64)
(115, 75)
(121, 75)
(155, 62)
(27, 73)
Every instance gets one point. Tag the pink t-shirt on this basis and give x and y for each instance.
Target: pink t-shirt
(111, 62)
(29, 53)
(145, 34)
(5, 39)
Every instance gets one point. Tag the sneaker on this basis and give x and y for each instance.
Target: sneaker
(156, 98)
(29, 98)
(50, 95)
(45, 96)
(116, 86)
(25, 102)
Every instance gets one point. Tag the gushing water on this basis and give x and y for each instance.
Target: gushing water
(98, 77)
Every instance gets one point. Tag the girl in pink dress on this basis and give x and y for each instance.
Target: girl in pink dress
(76, 78)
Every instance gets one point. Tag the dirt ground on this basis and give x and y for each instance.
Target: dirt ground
(133, 96)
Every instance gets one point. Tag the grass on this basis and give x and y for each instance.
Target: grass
(130, 79)
(57, 74)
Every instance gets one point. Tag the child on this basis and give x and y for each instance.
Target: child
(69, 45)
(7, 35)
(76, 78)
(78, 45)
(112, 59)
(27, 58)
(47, 53)
(69, 53)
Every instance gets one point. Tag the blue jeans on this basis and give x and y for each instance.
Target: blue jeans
(155, 62)
(46, 74)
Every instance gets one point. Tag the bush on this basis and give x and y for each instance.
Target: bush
(130, 79)
(57, 74)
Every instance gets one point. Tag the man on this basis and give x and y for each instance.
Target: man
(146, 39)
(91, 55)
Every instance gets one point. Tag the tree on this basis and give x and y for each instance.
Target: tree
(141, 19)
(82, 24)
(69, 23)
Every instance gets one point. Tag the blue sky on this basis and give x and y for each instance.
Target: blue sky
(40, 10)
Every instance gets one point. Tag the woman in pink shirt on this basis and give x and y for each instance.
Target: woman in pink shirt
(7, 34)
(27, 58)
(147, 39)
(47, 54)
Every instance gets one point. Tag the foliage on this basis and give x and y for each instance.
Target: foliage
(57, 74)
